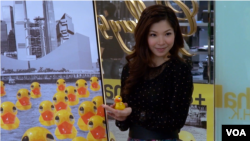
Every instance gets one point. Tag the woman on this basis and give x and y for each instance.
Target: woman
(156, 83)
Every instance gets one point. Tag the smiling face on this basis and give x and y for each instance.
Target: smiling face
(161, 38)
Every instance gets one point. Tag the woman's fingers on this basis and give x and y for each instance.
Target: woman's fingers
(126, 104)
(108, 108)
(118, 113)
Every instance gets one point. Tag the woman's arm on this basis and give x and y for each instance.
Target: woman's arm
(121, 116)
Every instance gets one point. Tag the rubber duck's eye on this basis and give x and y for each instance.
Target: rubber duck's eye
(1, 110)
(86, 84)
(75, 90)
(90, 80)
(81, 109)
(54, 99)
(57, 83)
(91, 124)
(94, 102)
(14, 109)
(96, 79)
(49, 137)
(3, 84)
(95, 109)
(76, 84)
(66, 91)
(19, 95)
(41, 108)
(29, 93)
(32, 86)
(52, 107)
(104, 123)
(64, 82)
(39, 86)
(66, 98)
(25, 138)
(71, 118)
(57, 119)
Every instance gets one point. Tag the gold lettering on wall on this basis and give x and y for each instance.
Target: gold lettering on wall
(135, 8)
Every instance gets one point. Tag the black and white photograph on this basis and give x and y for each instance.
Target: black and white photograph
(196, 123)
(49, 55)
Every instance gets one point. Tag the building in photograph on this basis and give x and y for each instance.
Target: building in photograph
(64, 29)
(4, 37)
(11, 41)
(49, 26)
(36, 39)
(7, 16)
(20, 20)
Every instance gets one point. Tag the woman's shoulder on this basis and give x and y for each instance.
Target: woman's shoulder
(178, 63)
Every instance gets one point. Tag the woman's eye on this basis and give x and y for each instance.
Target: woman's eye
(153, 35)
(168, 34)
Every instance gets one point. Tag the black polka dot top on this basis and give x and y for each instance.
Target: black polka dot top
(160, 101)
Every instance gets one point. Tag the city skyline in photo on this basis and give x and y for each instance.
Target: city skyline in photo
(62, 11)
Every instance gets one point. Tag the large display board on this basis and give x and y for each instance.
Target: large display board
(51, 82)
(199, 125)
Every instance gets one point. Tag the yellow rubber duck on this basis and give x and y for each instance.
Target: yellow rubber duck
(79, 139)
(186, 136)
(60, 101)
(61, 84)
(70, 91)
(97, 129)
(86, 110)
(9, 120)
(65, 125)
(98, 101)
(38, 134)
(23, 99)
(119, 105)
(47, 110)
(35, 90)
(3, 93)
(94, 85)
(82, 88)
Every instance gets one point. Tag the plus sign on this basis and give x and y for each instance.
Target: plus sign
(200, 99)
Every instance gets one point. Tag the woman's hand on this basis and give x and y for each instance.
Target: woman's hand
(119, 115)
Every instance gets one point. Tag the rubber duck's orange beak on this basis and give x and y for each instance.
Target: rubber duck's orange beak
(61, 106)
(24, 101)
(72, 97)
(87, 116)
(94, 85)
(117, 100)
(61, 87)
(8, 118)
(65, 128)
(98, 132)
(82, 91)
(36, 91)
(47, 115)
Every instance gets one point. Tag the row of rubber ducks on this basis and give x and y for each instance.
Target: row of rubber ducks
(58, 113)
(81, 87)
(96, 125)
